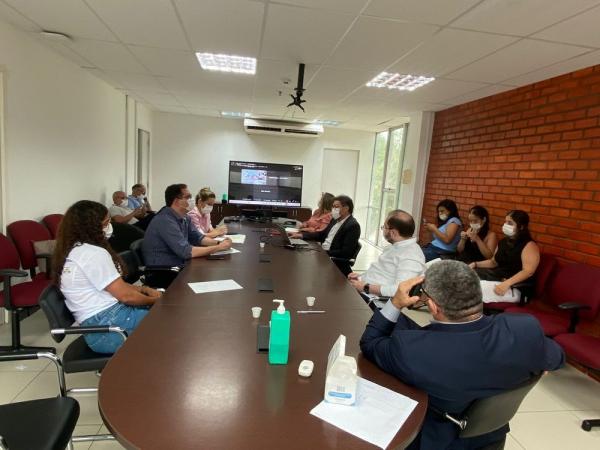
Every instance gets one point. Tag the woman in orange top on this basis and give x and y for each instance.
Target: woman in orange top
(322, 215)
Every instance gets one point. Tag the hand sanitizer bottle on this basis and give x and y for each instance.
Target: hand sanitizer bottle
(279, 337)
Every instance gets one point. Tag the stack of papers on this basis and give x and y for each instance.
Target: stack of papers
(376, 417)
(235, 238)
(229, 251)
(214, 286)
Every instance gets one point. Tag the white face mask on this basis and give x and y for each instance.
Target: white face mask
(443, 217)
(141, 197)
(207, 209)
(190, 204)
(508, 230)
(475, 226)
(108, 230)
(335, 213)
(123, 202)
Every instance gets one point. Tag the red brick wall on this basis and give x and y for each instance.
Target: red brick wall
(535, 148)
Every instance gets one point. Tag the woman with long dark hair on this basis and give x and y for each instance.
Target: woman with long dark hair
(515, 260)
(478, 243)
(447, 232)
(88, 272)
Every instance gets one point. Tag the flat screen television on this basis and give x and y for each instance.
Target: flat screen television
(256, 183)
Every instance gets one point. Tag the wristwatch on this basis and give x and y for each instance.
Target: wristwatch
(366, 288)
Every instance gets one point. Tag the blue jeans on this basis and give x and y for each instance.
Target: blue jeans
(118, 315)
(432, 252)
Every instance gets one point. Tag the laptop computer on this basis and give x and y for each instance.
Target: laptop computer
(286, 239)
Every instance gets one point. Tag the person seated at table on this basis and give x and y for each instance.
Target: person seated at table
(515, 260)
(121, 213)
(340, 238)
(171, 239)
(200, 214)
(138, 198)
(322, 215)
(88, 272)
(400, 261)
(478, 243)
(447, 232)
(461, 356)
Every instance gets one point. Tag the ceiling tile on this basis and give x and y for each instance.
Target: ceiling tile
(477, 94)
(331, 85)
(522, 57)
(273, 109)
(269, 80)
(348, 6)
(519, 17)
(205, 112)
(10, 15)
(158, 98)
(581, 29)
(440, 90)
(65, 52)
(302, 35)
(448, 51)
(431, 11)
(163, 62)
(222, 26)
(104, 77)
(570, 65)
(107, 55)
(72, 17)
(143, 22)
(374, 43)
(172, 109)
(135, 81)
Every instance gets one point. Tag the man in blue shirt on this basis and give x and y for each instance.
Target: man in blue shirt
(171, 239)
(138, 198)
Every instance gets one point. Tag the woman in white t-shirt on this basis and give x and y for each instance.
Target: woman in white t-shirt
(88, 272)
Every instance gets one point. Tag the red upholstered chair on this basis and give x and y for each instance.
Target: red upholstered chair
(530, 290)
(573, 295)
(52, 222)
(24, 233)
(20, 297)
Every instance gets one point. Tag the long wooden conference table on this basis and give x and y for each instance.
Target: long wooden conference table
(190, 376)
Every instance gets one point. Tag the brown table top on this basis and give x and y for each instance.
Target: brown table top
(190, 376)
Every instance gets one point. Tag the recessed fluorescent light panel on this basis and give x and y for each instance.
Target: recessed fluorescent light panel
(234, 114)
(400, 82)
(227, 63)
(328, 123)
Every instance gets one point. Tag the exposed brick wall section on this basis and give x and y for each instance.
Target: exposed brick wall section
(535, 148)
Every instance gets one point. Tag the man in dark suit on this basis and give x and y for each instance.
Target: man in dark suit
(340, 238)
(461, 355)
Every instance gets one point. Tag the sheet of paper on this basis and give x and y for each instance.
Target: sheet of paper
(376, 417)
(203, 287)
(229, 251)
(292, 230)
(235, 238)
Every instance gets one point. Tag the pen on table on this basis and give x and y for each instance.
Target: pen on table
(310, 312)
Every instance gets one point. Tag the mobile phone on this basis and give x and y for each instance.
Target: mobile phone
(416, 290)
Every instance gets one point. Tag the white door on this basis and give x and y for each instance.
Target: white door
(143, 158)
(340, 168)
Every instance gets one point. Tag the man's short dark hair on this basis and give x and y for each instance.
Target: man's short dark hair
(136, 186)
(173, 192)
(345, 201)
(402, 222)
(455, 288)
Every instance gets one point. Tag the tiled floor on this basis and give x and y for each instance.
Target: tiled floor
(549, 418)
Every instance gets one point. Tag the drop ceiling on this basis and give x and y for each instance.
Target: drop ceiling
(474, 48)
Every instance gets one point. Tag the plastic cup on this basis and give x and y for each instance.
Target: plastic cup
(310, 301)
(256, 311)
(262, 245)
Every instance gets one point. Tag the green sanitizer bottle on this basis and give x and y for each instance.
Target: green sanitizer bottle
(279, 337)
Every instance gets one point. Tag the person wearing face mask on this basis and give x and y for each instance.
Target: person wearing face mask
(200, 214)
(138, 198)
(515, 260)
(89, 274)
(446, 234)
(171, 239)
(478, 243)
(120, 211)
(340, 238)
(401, 260)
(321, 217)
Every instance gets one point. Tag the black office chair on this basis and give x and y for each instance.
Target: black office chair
(155, 277)
(345, 265)
(491, 413)
(42, 424)
(123, 235)
(132, 266)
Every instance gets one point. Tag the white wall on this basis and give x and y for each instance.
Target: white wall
(196, 150)
(64, 130)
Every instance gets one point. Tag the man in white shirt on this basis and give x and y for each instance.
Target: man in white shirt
(402, 260)
(120, 212)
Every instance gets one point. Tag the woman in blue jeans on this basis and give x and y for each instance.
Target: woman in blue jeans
(446, 234)
(89, 272)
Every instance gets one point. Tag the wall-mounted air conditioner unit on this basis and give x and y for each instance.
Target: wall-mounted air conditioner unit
(282, 128)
